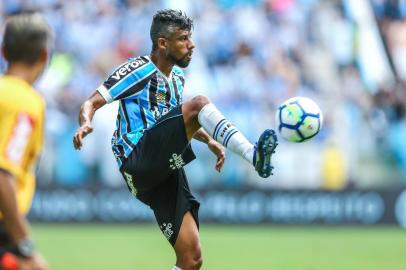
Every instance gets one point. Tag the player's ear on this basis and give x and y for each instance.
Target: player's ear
(43, 57)
(162, 43)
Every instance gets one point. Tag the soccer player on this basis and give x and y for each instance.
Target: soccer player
(25, 48)
(154, 129)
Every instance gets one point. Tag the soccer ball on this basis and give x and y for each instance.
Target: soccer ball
(299, 119)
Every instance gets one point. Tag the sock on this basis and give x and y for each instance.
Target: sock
(220, 129)
(176, 268)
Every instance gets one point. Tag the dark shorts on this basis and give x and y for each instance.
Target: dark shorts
(6, 248)
(5, 242)
(154, 173)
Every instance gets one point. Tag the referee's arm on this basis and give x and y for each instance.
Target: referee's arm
(16, 225)
(14, 222)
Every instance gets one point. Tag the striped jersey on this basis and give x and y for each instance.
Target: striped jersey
(145, 94)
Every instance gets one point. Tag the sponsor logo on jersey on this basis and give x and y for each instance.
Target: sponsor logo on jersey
(20, 138)
(127, 68)
(157, 113)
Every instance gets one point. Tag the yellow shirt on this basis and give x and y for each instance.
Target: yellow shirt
(21, 135)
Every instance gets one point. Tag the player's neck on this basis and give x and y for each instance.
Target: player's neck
(23, 71)
(162, 63)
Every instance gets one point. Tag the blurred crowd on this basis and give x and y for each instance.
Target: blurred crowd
(250, 56)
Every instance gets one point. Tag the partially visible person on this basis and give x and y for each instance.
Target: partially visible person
(25, 48)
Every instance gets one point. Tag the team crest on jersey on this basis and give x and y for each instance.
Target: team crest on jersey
(161, 97)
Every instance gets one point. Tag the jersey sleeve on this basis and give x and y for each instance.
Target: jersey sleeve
(128, 80)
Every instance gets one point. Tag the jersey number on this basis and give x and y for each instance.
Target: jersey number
(19, 139)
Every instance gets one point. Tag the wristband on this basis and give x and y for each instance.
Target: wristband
(24, 248)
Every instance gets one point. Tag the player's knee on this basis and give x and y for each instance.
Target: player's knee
(198, 102)
(192, 108)
(197, 263)
(197, 259)
(191, 261)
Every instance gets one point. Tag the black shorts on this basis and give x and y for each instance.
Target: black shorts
(154, 173)
(5, 241)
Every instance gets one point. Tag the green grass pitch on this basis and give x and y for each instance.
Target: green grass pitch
(143, 247)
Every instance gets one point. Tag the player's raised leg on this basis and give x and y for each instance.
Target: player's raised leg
(187, 246)
(200, 112)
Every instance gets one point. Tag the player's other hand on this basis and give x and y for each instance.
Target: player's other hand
(220, 153)
(35, 262)
(82, 132)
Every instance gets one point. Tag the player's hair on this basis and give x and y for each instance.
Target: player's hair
(167, 21)
(26, 35)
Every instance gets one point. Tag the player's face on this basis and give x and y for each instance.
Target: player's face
(180, 48)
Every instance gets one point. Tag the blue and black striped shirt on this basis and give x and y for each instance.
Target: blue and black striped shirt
(145, 94)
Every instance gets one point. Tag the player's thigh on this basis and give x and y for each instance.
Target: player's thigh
(163, 149)
(165, 146)
(170, 201)
(187, 245)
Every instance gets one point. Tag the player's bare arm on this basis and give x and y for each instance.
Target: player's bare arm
(213, 145)
(16, 225)
(87, 111)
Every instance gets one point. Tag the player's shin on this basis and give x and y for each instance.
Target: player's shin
(224, 132)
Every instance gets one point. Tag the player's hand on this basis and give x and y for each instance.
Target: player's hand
(82, 132)
(219, 151)
(35, 262)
